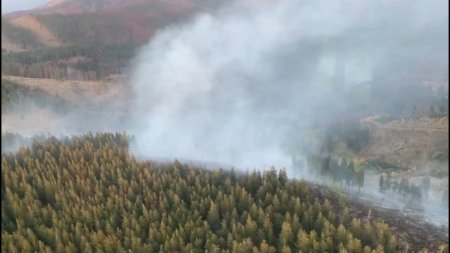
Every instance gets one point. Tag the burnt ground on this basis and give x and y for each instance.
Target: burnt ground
(412, 234)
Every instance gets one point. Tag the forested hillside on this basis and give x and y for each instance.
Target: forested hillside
(87, 194)
(87, 62)
(86, 40)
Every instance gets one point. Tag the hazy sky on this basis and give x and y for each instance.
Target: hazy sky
(18, 5)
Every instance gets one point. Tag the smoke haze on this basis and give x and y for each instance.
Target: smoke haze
(229, 87)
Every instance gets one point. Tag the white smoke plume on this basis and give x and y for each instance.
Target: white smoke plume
(231, 87)
(227, 87)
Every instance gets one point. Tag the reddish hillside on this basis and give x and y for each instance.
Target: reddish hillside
(116, 21)
(77, 6)
(53, 38)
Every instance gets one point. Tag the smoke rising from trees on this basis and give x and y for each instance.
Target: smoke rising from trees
(228, 87)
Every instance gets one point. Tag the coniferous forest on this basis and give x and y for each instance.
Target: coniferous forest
(88, 194)
(351, 98)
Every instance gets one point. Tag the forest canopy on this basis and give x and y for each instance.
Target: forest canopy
(88, 194)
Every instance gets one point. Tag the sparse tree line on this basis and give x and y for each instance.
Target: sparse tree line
(338, 170)
(410, 193)
(94, 62)
(19, 98)
(323, 156)
(61, 71)
(88, 194)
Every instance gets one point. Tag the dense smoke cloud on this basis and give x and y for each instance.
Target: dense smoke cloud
(228, 87)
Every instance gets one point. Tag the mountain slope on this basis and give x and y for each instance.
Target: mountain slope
(30, 23)
(112, 26)
(83, 18)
